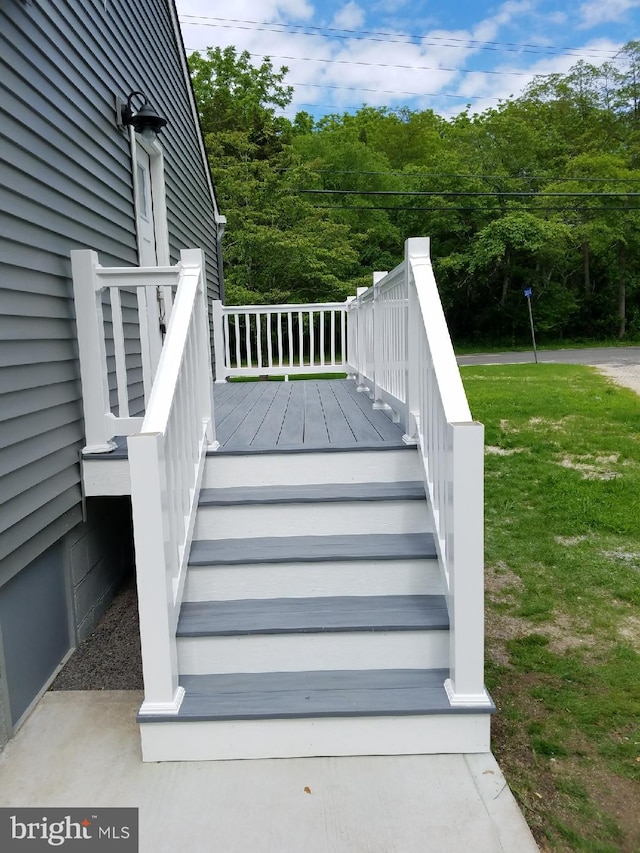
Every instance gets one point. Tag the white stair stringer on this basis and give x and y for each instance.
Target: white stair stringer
(314, 620)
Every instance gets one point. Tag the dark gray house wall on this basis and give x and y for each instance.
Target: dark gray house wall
(66, 183)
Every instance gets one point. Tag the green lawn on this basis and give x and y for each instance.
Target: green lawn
(562, 509)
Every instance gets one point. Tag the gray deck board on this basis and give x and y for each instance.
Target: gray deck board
(348, 393)
(228, 397)
(248, 421)
(268, 432)
(315, 426)
(292, 430)
(305, 415)
(311, 549)
(245, 495)
(339, 428)
(308, 414)
(313, 615)
(291, 695)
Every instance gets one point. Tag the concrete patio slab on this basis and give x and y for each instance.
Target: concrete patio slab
(82, 749)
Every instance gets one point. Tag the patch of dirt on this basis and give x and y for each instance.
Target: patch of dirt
(628, 557)
(547, 423)
(568, 541)
(629, 630)
(502, 451)
(592, 467)
(503, 586)
(563, 635)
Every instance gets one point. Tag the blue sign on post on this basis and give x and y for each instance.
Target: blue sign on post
(528, 291)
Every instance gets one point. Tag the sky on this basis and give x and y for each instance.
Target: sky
(403, 53)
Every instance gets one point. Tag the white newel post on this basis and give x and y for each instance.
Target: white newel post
(378, 342)
(218, 342)
(349, 347)
(415, 248)
(195, 258)
(361, 336)
(162, 693)
(465, 562)
(91, 351)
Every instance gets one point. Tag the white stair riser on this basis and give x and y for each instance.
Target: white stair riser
(311, 519)
(298, 738)
(307, 580)
(301, 469)
(325, 651)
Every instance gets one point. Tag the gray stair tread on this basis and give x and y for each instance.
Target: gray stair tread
(312, 549)
(311, 447)
(287, 695)
(313, 615)
(311, 493)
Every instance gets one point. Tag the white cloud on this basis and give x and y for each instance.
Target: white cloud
(596, 12)
(333, 74)
(349, 17)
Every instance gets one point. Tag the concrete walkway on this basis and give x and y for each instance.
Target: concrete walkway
(81, 749)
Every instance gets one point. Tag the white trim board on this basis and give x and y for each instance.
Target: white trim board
(209, 741)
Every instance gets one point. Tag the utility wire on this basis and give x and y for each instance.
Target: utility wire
(396, 92)
(466, 98)
(467, 208)
(495, 193)
(394, 65)
(390, 37)
(429, 175)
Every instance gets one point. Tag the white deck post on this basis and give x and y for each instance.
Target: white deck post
(195, 258)
(162, 694)
(361, 340)
(465, 563)
(349, 347)
(91, 351)
(378, 343)
(415, 247)
(218, 342)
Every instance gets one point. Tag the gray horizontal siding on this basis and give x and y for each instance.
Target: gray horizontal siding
(66, 183)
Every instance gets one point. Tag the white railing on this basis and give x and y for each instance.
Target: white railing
(401, 353)
(279, 340)
(166, 460)
(138, 301)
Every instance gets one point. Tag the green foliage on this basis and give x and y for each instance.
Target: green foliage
(505, 205)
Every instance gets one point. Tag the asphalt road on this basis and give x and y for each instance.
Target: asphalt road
(614, 356)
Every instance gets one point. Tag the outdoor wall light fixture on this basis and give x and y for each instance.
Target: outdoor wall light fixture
(145, 120)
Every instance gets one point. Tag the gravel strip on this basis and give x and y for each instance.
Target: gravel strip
(109, 659)
(627, 375)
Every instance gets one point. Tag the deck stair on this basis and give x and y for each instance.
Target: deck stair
(313, 619)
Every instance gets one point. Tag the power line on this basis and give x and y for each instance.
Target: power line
(466, 98)
(394, 65)
(494, 194)
(390, 37)
(425, 175)
(395, 92)
(448, 209)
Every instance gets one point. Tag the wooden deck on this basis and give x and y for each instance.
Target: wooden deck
(301, 415)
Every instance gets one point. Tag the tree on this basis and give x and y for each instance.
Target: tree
(234, 96)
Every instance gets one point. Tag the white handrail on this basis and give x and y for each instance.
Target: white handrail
(279, 340)
(401, 353)
(92, 283)
(166, 460)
